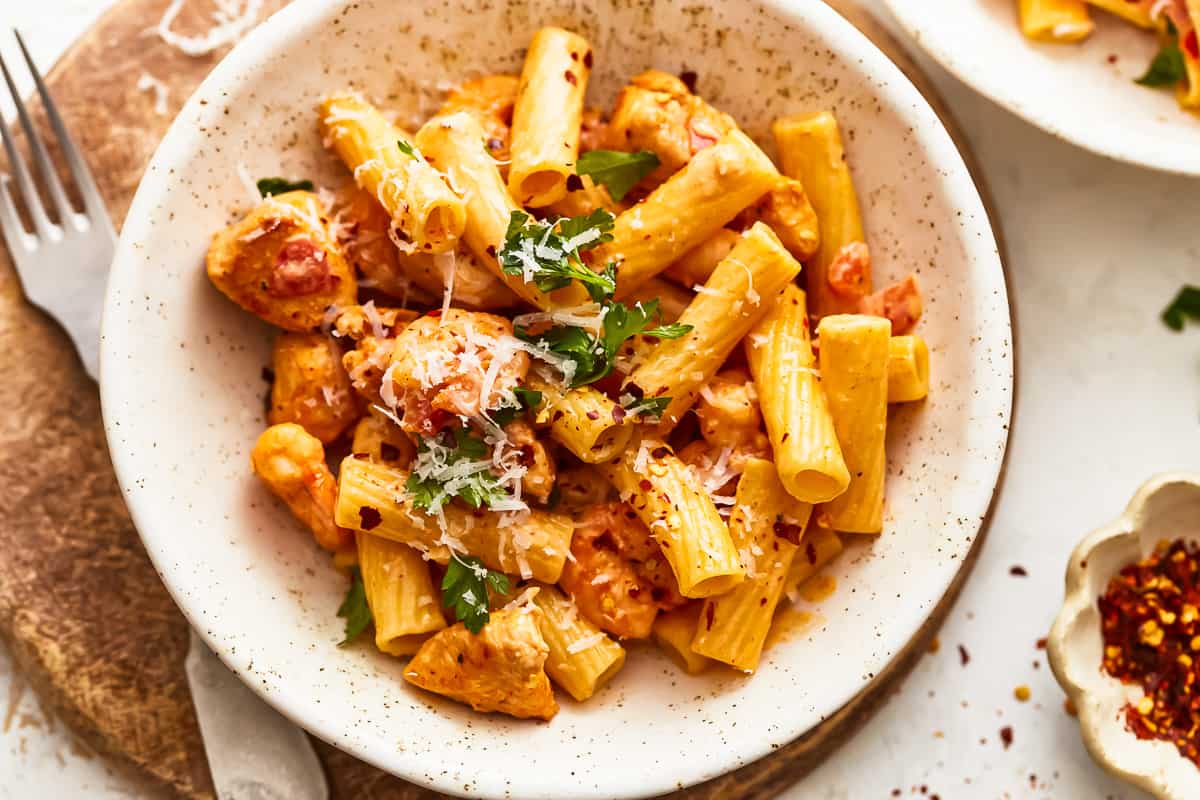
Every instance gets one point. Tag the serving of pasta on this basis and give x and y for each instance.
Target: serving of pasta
(552, 379)
(1177, 64)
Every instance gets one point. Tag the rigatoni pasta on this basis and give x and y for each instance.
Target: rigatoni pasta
(854, 374)
(511, 513)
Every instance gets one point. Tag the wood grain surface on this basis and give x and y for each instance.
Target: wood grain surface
(81, 608)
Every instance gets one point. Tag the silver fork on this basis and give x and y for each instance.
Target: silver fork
(64, 266)
(254, 753)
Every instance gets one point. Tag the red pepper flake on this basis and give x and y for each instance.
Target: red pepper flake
(593, 415)
(571, 79)
(963, 656)
(1191, 44)
(1112, 58)
(660, 452)
(1041, 643)
(1150, 620)
(645, 485)
(1018, 571)
(435, 313)
(618, 414)
(1006, 736)
(369, 518)
(689, 79)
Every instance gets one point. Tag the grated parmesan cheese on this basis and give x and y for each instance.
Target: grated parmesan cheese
(586, 643)
(233, 19)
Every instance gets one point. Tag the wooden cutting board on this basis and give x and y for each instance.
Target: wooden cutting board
(81, 608)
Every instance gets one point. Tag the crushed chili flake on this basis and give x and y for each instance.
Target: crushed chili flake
(1149, 618)
(1018, 571)
(963, 656)
(1069, 707)
(1041, 644)
(1006, 736)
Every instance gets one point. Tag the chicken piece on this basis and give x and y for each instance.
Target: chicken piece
(490, 100)
(729, 413)
(358, 322)
(538, 480)
(657, 112)
(717, 468)
(282, 264)
(582, 486)
(378, 438)
(362, 228)
(696, 265)
(787, 209)
(311, 387)
(618, 577)
(365, 365)
(474, 285)
(849, 273)
(501, 668)
(900, 303)
(442, 362)
(291, 461)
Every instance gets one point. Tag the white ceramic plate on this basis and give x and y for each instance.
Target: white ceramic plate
(1074, 91)
(183, 397)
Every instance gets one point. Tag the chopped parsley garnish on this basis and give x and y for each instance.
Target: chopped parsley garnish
(354, 609)
(270, 186)
(593, 355)
(547, 253)
(649, 407)
(618, 171)
(465, 589)
(1186, 305)
(409, 150)
(1167, 69)
(528, 400)
(433, 482)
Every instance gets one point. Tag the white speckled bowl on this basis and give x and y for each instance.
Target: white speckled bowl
(1072, 91)
(183, 395)
(1166, 507)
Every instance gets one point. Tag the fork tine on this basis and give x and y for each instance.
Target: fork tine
(33, 202)
(40, 157)
(93, 201)
(10, 224)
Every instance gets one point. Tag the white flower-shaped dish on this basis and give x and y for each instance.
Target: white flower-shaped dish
(1167, 507)
(183, 395)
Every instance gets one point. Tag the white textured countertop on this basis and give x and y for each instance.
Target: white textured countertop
(1107, 396)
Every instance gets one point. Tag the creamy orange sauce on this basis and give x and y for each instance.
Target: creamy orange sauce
(818, 587)
(790, 622)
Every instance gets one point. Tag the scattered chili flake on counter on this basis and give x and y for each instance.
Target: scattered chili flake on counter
(964, 657)
(1150, 619)
(1006, 736)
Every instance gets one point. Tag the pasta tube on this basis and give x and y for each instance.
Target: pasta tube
(810, 150)
(691, 206)
(793, 403)
(662, 491)
(854, 359)
(1057, 20)
(673, 632)
(739, 292)
(908, 369)
(423, 208)
(582, 657)
(582, 420)
(1136, 12)
(818, 548)
(400, 594)
(734, 626)
(455, 144)
(547, 116)
(371, 497)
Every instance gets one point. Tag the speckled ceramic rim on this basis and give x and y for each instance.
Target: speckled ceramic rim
(996, 87)
(743, 749)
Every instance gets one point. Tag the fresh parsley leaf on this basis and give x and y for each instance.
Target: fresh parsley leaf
(1167, 68)
(546, 254)
(594, 356)
(465, 589)
(270, 186)
(620, 172)
(649, 407)
(528, 400)
(476, 489)
(1185, 305)
(354, 609)
(409, 150)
